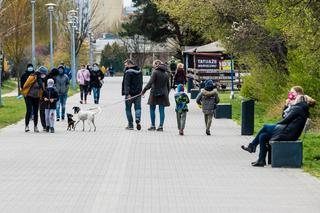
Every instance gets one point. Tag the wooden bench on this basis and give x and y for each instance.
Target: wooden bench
(287, 153)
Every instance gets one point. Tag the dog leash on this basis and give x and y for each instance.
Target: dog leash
(119, 102)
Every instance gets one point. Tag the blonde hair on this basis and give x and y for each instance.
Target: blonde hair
(180, 65)
(298, 89)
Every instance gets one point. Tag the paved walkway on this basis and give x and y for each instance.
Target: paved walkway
(11, 94)
(119, 171)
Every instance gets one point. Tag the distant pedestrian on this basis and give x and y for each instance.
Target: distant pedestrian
(50, 97)
(32, 90)
(180, 75)
(83, 78)
(62, 86)
(208, 99)
(111, 70)
(43, 74)
(182, 101)
(159, 94)
(96, 82)
(131, 87)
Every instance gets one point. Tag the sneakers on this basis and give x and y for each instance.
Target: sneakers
(58, 119)
(51, 130)
(153, 128)
(129, 128)
(208, 132)
(81, 102)
(160, 129)
(27, 129)
(47, 129)
(138, 126)
(36, 129)
(181, 132)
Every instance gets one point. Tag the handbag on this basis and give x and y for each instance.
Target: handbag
(85, 81)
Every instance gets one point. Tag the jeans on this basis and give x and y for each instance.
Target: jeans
(96, 94)
(181, 120)
(50, 114)
(208, 120)
(153, 115)
(62, 100)
(32, 105)
(262, 138)
(137, 108)
(83, 92)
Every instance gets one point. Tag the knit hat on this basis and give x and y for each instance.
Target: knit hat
(43, 70)
(209, 86)
(180, 88)
(50, 82)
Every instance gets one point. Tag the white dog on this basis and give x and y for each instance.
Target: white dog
(87, 115)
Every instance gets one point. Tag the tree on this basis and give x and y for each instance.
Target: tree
(114, 55)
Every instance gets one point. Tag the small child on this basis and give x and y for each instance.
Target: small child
(208, 98)
(182, 101)
(50, 96)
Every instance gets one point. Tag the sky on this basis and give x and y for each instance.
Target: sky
(127, 2)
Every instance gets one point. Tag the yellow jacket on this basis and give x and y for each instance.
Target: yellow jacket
(28, 84)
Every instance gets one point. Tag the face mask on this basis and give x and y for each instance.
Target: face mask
(291, 96)
(30, 69)
(43, 75)
(60, 71)
(95, 68)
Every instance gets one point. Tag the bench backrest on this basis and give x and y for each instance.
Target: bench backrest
(306, 128)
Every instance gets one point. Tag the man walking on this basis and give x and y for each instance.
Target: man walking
(62, 85)
(131, 87)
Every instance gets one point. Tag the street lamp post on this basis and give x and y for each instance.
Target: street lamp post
(232, 77)
(51, 8)
(73, 20)
(33, 59)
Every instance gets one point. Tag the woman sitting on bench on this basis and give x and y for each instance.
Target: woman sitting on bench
(288, 129)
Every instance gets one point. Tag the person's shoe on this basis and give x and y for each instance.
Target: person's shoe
(51, 130)
(181, 132)
(138, 126)
(208, 132)
(249, 148)
(27, 129)
(160, 129)
(36, 129)
(129, 128)
(44, 129)
(47, 129)
(81, 102)
(58, 119)
(258, 163)
(85, 102)
(152, 128)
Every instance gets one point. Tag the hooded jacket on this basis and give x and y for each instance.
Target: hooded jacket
(50, 93)
(62, 83)
(95, 78)
(132, 81)
(180, 77)
(208, 100)
(83, 76)
(291, 127)
(160, 86)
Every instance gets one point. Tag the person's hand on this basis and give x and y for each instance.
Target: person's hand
(51, 100)
(46, 99)
(129, 97)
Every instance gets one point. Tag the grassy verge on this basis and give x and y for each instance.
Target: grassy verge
(311, 143)
(12, 111)
(9, 86)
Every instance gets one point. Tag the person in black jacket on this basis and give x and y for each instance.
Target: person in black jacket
(96, 82)
(131, 87)
(50, 97)
(288, 129)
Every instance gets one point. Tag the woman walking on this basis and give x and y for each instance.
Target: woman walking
(96, 82)
(159, 94)
(83, 77)
(180, 75)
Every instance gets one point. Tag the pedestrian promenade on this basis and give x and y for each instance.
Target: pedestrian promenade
(118, 171)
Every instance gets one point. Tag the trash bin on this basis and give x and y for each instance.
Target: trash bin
(247, 118)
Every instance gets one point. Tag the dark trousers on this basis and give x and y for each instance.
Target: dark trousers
(262, 138)
(83, 92)
(32, 106)
(42, 114)
(137, 107)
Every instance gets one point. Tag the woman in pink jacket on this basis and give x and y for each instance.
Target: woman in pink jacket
(83, 78)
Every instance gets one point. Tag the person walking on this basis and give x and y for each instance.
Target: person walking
(159, 94)
(62, 86)
(83, 78)
(32, 90)
(131, 88)
(180, 75)
(208, 99)
(50, 97)
(43, 74)
(182, 101)
(96, 82)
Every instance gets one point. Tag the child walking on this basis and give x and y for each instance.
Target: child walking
(208, 98)
(50, 96)
(182, 101)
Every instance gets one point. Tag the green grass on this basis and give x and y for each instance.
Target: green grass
(72, 92)
(9, 86)
(12, 111)
(311, 143)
